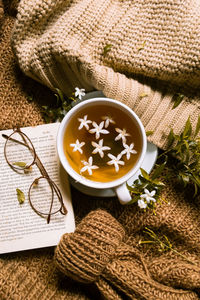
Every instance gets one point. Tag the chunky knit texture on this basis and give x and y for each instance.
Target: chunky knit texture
(61, 44)
(85, 255)
(117, 268)
(96, 252)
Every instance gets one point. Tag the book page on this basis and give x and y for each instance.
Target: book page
(20, 227)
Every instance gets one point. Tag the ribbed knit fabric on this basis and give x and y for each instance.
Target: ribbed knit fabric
(61, 44)
(96, 241)
(96, 252)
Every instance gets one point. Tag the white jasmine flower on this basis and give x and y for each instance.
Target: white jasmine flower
(122, 135)
(77, 146)
(88, 166)
(115, 161)
(98, 129)
(99, 148)
(148, 195)
(84, 123)
(108, 120)
(128, 150)
(79, 93)
(142, 204)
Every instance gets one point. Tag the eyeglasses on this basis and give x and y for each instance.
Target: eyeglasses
(18, 147)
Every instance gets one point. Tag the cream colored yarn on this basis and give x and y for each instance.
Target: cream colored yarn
(155, 49)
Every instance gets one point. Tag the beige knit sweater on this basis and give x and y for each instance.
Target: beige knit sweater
(62, 45)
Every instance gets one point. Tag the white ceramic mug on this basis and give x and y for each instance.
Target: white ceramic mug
(119, 185)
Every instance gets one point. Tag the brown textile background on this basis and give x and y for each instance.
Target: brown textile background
(33, 274)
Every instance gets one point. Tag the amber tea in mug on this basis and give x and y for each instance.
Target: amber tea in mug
(102, 142)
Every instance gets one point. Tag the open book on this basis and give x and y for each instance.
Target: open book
(20, 227)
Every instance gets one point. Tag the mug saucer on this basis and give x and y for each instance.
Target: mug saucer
(147, 165)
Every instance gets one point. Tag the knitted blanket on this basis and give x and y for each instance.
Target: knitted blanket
(104, 257)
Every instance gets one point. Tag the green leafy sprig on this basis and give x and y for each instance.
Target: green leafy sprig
(185, 149)
(58, 111)
(147, 182)
(162, 243)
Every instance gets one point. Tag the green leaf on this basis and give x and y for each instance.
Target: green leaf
(133, 200)
(30, 98)
(106, 49)
(57, 99)
(146, 242)
(197, 127)
(60, 94)
(132, 189)
(142, 180)
(185, 142)
(196, 188)
(45, 107)
(20, 196)
(157, 182)
(150, 132)
(197, 178)
(188, 128)
(20, 164)
(159, 169)
(177, 98)
(192, 165)
(150, 232)
(143, 95)
(144, 174)
(169, 244)
(171, 137)
(185, 178)
(72, 99)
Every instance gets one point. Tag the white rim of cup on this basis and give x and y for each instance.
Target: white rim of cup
(81, 179)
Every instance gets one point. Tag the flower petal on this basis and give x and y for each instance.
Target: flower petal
(84, 169)
(152, 193)
(90, 160)
(104, 131)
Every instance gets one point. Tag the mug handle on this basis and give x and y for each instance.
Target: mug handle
(123, 193)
